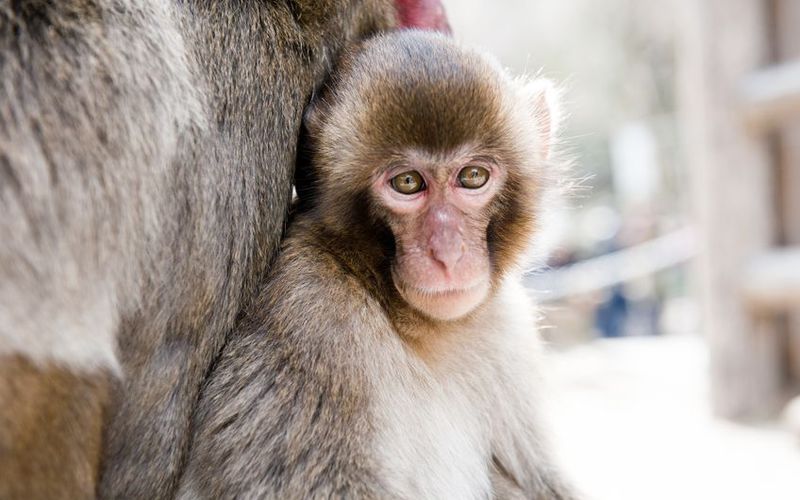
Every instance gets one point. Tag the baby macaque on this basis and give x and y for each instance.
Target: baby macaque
(392, 352)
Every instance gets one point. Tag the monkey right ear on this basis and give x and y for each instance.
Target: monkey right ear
(543, 97)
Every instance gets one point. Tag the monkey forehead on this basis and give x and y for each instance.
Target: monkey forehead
(413, 89)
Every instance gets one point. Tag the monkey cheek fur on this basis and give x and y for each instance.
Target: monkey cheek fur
(445, 305)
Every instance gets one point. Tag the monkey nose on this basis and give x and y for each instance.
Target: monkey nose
(447, 251)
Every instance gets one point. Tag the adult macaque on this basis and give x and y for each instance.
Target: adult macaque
(391, 352)
(146, 155)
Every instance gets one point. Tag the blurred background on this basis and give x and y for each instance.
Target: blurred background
(671, 299)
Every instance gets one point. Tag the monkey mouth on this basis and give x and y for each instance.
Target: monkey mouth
(442, 303)
(444, 292)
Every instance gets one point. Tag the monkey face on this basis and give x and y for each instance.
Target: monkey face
(428, 160)
(437, 212)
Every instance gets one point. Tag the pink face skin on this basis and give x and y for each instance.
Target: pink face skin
(442, 263)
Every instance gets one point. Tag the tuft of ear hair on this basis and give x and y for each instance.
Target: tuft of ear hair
(544, 97)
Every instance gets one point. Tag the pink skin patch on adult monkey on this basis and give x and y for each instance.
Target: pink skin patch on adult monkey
(423, 14)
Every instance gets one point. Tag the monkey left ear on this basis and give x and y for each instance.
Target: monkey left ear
(543, 97)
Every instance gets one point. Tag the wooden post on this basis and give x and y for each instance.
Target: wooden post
(787, 40)
(720, 43)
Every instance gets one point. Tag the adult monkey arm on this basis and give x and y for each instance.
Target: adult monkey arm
(94, 104)
(145, 159)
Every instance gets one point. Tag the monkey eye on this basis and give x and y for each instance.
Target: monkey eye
(473, 177)
(408, 182)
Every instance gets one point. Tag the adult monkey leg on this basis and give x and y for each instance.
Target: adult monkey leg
(50, 430)
(145, 156)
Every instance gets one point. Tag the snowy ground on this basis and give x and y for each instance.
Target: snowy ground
(631, 422)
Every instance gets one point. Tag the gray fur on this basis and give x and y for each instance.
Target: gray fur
(146, 153)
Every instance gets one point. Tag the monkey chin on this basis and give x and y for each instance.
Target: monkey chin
(444, 305)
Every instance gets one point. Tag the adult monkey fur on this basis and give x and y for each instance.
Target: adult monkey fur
(146, 154)
(391, 352)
